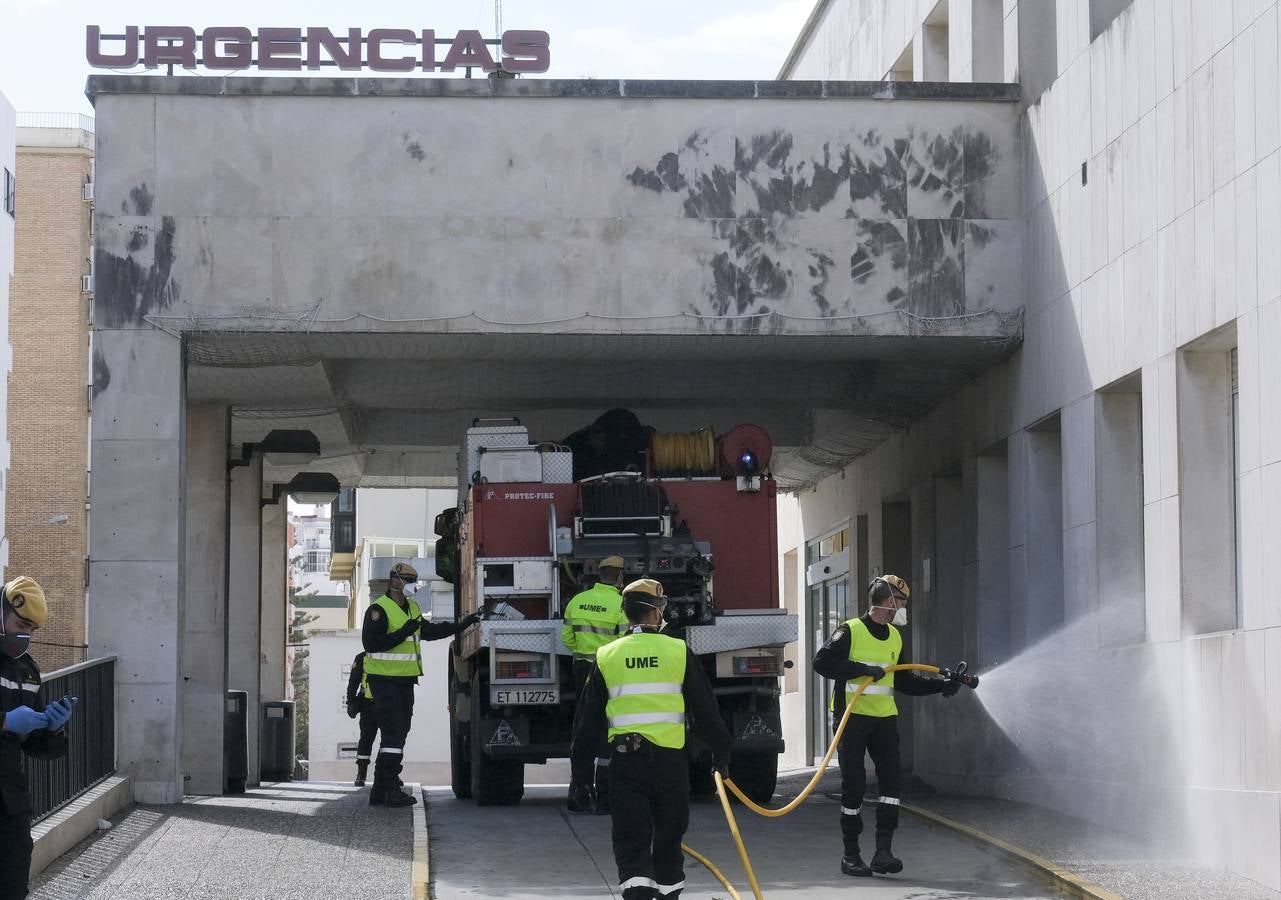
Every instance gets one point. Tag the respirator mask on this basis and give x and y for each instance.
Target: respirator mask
(900, 615)
(12, 645)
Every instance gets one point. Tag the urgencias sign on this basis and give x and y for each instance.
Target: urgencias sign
(284, 49)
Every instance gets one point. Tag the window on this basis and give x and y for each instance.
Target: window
(1209, 477)
(1118, 493)
(1103, 13)
(316, 561)
(10, 193)
(1236, 479)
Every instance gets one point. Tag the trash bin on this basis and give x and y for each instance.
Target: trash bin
(235, 742)
(276, 740)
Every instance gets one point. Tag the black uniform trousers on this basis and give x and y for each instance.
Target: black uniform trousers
(649, 803)
(582, 669)
(368, 731)
(876, 736)
(394, 708)
(15, 853)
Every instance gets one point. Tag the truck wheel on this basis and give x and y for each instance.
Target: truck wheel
(494, 782)
(756, 774)
(459, 751)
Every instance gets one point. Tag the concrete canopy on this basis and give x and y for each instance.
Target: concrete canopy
(389, 410)
(380, 261)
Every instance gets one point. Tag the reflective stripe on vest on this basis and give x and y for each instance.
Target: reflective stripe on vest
(644, 673)
(595, 618)
(405, 660)
(877, 698)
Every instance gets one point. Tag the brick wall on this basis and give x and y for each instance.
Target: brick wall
(48, 413)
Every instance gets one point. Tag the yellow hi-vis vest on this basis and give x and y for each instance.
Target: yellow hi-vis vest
(405, 660)
(593, 619)
(364, 684)
(877, 698)
(644, 673)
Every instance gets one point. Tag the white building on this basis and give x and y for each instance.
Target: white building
(391, 524)
(8, 214)
(1121, 471)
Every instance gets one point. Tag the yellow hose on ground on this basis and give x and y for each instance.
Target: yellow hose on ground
(711, 867)
(831, 750)
(783, 810)
(692, 453)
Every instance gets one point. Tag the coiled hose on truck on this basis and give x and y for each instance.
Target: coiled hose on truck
(783, 810)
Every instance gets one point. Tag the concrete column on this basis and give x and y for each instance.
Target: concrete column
(244, 625)
(274, 600)
(993, 610)
(948, 570)
(204, 657)
(136, 576)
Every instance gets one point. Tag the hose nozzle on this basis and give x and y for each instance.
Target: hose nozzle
(958, 674)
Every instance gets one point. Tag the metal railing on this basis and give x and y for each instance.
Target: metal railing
(91, 736)
(55, 120)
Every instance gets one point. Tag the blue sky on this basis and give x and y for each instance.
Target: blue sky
(42, 67)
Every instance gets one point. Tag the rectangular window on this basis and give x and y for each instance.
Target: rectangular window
(1043, 610)
(1208, 478)
(1118, 493)
(10, 193)
(1103, 13)
(1236, 481)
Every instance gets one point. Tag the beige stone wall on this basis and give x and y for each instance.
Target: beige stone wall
(48, 424)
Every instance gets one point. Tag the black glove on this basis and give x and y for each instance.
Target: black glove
(352, 711)
(722, 766)
(876, 672)
(468, 621)
(950, 688)
(409, 628)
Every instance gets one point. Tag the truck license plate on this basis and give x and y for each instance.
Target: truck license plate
(519, 696)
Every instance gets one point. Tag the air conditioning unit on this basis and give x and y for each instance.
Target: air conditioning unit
(88, 191)
(86, 284)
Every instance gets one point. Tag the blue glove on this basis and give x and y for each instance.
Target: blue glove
(58, 713)
(24, 720)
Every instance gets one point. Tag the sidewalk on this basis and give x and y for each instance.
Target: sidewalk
(286, 841)
(1112, 860)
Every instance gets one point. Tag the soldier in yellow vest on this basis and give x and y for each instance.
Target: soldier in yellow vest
(392, 631)
(644, 691)
(859, 648)
(594, 618)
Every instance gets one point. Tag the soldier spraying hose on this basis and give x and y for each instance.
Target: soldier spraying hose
(865, 647)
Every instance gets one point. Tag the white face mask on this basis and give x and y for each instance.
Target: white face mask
(900, 615)
(409, 588)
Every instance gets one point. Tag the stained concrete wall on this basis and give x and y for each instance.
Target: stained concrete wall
(136, 545)
(1174, 111)
(575, 199)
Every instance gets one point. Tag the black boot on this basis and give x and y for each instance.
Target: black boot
(579, 799)
(362, 767)
(396, 799)
(883, 861)
(854, 865)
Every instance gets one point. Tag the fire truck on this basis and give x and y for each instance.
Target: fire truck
(695, 512)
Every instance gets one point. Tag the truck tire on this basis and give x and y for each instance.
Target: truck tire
(459, 734)
(494, 782)
(756, 774)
